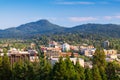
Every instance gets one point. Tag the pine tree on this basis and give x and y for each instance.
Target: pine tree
(96, 73)
(103, 73)
(30, 74)
(112, 71)
(45, 69)
(88, 74)
(19, 71)
(70, 70)
(5, 68)
(36, 69)
(0, 68)
(59, 70)
(80, 71)
(99, 60)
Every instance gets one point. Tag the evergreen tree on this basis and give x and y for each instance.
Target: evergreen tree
(30, 74)
(80, 71)
(36, 69)
(59, 70)
(99, 60)
(19, 71)
(70, 70)
(88, 74)
(96, 73)
(0, 68)
(112, 69)
(103, 73)
(45, 69)
(5, 68)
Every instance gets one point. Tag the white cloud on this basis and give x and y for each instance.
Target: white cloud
(82, 19)
(76, 2)
(108, 17)
(118, 17)
(111, 17)
(86, 3)
(80, 2)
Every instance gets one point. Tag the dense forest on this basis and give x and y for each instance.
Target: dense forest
(61, 70)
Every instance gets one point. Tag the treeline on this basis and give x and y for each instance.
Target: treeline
(62, 70)
(72, 38)
(75, 38)
(79, 39)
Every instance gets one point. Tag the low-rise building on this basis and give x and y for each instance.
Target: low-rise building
(113, 56)
(50, 51)
(74, 60)
(33, 55)
(65, 54)
(89, 52)
(65, 47)
(15, 55)
(110, 52)
(53, 44)
(20, 56)
(86, 48)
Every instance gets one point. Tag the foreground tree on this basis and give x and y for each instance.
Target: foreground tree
(19, 71)
(96, 73)
(70, 70)
(79, 71)
(44, 70)
(112, 69)
(88, 74)
(30, 74)
(99, 58)
(59, 70)
(6, 72)
(0, 67)
(100, 62)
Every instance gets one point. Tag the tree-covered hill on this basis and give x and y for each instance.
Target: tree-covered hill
(32, 28)
(111, 30)
(47, 28)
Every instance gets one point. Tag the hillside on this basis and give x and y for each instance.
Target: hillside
(46, 27)
(32, 28)
(110, 30)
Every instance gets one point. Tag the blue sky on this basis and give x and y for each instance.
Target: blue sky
(62, 12)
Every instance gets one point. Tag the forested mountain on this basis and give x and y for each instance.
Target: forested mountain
(111, 30)
(32, 28)
(46, 27)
